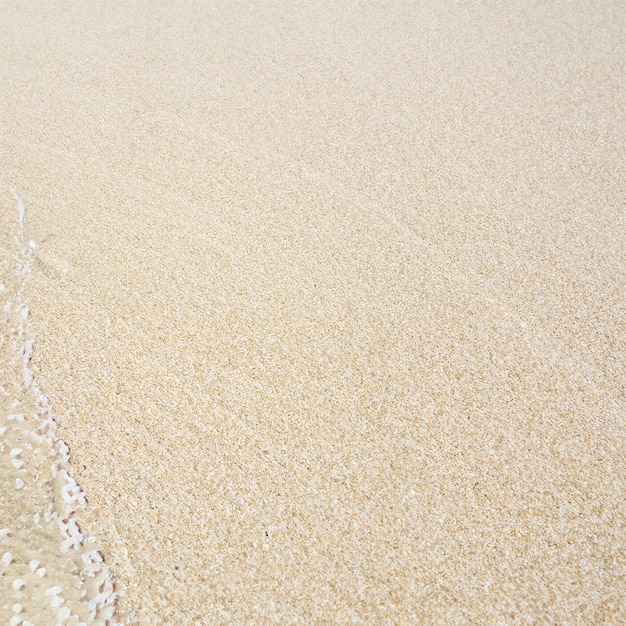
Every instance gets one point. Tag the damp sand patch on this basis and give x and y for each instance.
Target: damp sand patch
(51, 570)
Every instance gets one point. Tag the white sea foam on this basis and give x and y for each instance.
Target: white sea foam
(99, 595)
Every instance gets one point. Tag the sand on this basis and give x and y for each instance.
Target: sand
(328, 301)
(52, 571)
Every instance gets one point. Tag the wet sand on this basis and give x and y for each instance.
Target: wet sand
(328, 301)
(52, 570)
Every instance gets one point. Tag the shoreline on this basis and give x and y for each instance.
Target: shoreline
(329, 302)
(50, 569)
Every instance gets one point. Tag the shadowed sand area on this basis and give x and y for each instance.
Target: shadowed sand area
(329, 301)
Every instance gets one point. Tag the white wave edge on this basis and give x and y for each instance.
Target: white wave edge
(102, 606)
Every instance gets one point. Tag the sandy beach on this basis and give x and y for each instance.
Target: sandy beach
(328, 303)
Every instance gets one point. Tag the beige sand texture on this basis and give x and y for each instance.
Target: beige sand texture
(51, 569)
(329, 301)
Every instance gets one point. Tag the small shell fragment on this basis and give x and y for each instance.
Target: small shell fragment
(33, 565)
(19, 483)
(18, 584)
(41, 572)
(57, 601)
(7, 557)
